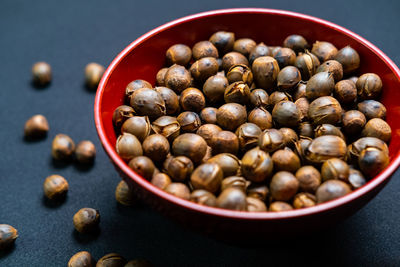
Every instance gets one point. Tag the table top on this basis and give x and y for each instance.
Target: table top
(70, 34)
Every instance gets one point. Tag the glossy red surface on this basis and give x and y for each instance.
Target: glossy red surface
(145, 56)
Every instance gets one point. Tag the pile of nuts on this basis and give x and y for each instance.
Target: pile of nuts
(245, 126)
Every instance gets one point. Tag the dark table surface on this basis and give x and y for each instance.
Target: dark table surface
(68, 35)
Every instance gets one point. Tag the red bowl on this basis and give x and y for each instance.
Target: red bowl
(145, 56)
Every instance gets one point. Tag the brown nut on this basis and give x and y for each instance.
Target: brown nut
(369, 86)
(279, 206)
(143, 166)
(177, 78)
(93, 74)
(248, 134)
(349, 59)
(124, 194)
(307, 63)
(225, 142)
(257, 165)
(86, 220)
(231, 115)
(335, 169)
(240, 73)
(325, 109)
(207, 176)
(277, 97)
(204, 49)
(190, 145)
(325, 147)
(372, 161)
(41, 74)
(112, 259)
(284, 186)
(353, 122)
(305, 129)
(203, 197)
(345, 92)
(284, 56)
(261, 117)
(214, 87)
(244, 46)
(223, 41)
(85, 152)
(178, 168)
(377, 128)
(179, 190)
(331, 189)
(178, 54)
(302, 105)
(170, 99)
(286, 114)
(364, 142)
(8, 235)
(258, 98)
(372, 109)
(121, 114)
(82, 258)
(192, 99)
(160, 77)
(296, 42)
(324, 51)
(232, 199)
(265, 71)
(285, 160)
(229, 163)
(328, 129)
(300, 148)
(334, 67)
(255, 205)
(260, 50)
(233, 58)
(189, 121)
(139, 126)
(62, 147)
(147, 102)
(289, 137)
(209, 115)
(135, 85)
(234, 181)
(320, 84)
(204, 68)
(288, 78)
(128, 146)
(304, 200)
(55, 187)
(166, 126)
(161, 180)
(237, 92)
(156, 147)
(36, 127)
(259, 191)
(309, 179)
(271, 140)
(207, 131)
(356, 179)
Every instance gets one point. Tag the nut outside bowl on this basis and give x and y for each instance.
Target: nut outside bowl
(146, 55)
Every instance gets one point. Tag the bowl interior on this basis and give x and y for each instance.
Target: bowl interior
(143, 58)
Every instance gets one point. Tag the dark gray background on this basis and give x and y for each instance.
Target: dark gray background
(68, 35)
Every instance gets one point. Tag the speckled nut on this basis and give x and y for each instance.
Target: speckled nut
(179, 190)
(261, 50)
(192, 99)
(82, 258)
(324, 51)
(284, 56)
(303, 106)
(372, 109)
(334, 67)
(8, 235)
(331, 189)
(128, 146)
(345, 92)
(36, 127)
(190, 145)
(112, 259)
(147, 102)
(41, 74)
(55, 187)
(265, 72)
(93, 74)
(296, 42)
(286, 114)
(284, 186)
(86, 220)
(257, 165)
(244, 46)
(203, 197)
(223, 41)
(232, 199)
(124, 194)
(62, 147)
(377, 128)
(353, 122)
(369, 86)
(279, 206)
(177, 78)
(309, 179)
(207, 176)
(204, 68)
(204, 49)
(178, 54)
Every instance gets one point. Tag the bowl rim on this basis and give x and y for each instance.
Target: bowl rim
(242, 215)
